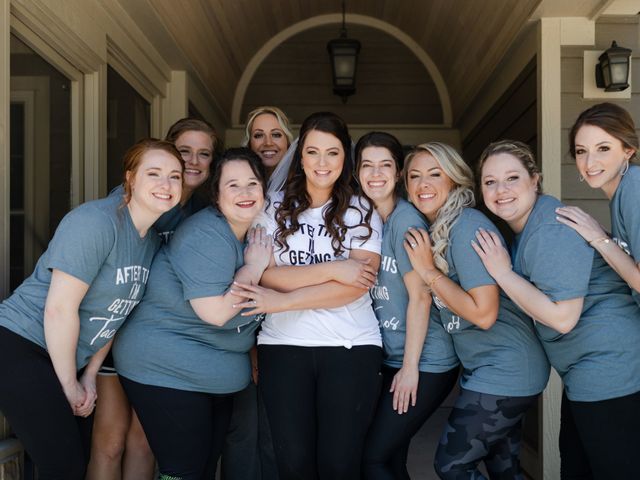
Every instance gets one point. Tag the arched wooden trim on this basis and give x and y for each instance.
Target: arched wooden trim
(335, 18)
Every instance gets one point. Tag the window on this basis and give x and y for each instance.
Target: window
(40, 156)
(128, 120)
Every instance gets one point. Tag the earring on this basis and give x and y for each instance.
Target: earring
(624, 169)
(580, 178)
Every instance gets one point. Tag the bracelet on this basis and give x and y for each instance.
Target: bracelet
(599, 240)
(432, 282)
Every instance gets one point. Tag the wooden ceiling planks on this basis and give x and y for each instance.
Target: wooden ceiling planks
(465, 38)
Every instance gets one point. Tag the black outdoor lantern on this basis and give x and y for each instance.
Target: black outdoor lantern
(343, 53)
(612, 70)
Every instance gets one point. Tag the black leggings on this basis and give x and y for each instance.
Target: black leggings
(387, 445)
(185, 430)
(32, 399)
(319, 401)
(482, 427)
(600, 440)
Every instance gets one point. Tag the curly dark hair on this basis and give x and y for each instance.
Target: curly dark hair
(296, 198)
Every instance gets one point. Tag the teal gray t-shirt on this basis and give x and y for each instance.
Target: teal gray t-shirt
(98, 244)
(598, 359)
(390, 298)
(625, 216)
(506, 359)
(165, 343)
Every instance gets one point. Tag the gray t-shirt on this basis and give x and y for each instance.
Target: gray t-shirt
(507, 359)
(625, 216)
(390, 298)
(598, 359)
(98, 244)
(165, 343)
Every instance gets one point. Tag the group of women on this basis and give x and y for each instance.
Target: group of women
(364, 303)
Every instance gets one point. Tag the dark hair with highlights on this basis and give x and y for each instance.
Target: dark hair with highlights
(236, 154)
(611, 118)
(296, 199)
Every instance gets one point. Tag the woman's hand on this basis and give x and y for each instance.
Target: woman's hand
(418, 246)
(494, 256)
(76, 396)
(88, 384)
(583, 223)
(405, 389)
(259, 299)
(357, 273)
(259, 249)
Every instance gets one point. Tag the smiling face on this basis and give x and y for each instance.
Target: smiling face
(322, 163)
(508, 190)
(268, 140)
(378, 174)
(600, 158)
(156, 185)
(240, 194)
(427, 185)
(196, 149)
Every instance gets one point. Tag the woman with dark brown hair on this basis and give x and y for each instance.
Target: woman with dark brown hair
(319, 347)
(186, 348)
(57, 327)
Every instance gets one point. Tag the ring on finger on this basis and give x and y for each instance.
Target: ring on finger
(413, 244)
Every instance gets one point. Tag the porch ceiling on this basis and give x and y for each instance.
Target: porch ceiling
(216, 39)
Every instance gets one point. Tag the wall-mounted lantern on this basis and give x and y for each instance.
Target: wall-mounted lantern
(612, 70)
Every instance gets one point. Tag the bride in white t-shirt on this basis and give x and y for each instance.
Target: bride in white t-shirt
(319, 349)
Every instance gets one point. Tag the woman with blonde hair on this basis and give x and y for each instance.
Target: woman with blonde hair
(504, 366)
(267, 132)
(248, 450)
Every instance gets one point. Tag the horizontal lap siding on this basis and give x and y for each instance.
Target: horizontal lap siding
(626, 31)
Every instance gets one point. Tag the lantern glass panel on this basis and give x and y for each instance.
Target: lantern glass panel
(619, 72)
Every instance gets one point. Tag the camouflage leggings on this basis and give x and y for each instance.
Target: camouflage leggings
(486, 428)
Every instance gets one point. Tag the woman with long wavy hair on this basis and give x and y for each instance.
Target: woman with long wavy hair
(319, 348)
(504, 366)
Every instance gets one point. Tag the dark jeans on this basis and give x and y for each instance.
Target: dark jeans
(482, 427)
(320, 401)
(600, 440)
(34, 403)
(186, 430)
(387, 445)
(248, 448)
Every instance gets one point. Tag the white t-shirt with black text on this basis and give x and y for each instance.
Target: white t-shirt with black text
(347, 326)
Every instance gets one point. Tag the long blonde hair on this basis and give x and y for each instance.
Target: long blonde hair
(460, 196)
